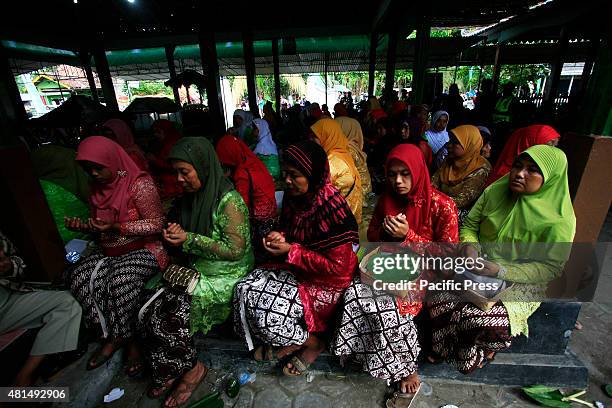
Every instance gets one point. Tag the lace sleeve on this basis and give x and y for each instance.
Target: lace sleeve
(147, 202)
(233, 242)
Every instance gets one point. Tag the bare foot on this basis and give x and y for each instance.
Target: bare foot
(107, 350)
(189, 382)
(410, 384)
(488, 357)
(312, 348)
(285, 351)
(135, 363)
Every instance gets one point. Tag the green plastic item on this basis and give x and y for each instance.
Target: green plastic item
(232, 388)
(211, 400)
(607, 388)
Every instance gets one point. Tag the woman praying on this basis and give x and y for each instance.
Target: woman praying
(287, 309)
(126, 214)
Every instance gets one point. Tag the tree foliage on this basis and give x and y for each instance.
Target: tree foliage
(151, 88)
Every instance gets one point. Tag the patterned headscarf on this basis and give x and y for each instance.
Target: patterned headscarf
(321, 219)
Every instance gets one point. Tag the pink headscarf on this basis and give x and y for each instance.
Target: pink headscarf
(110, 201)
(125, 138)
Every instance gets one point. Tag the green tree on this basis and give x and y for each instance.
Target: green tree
(151, 88)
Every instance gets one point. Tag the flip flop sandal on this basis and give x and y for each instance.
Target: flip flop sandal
(265, 353)
(157, 392)
(190, 387)
(298, 364)
(401, 399)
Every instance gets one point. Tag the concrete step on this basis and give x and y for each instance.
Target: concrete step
(512, 369)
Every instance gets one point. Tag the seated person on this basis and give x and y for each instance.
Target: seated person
(529, 205)
(410, 213)
(463, 174)
(56, 313)
(316, 264)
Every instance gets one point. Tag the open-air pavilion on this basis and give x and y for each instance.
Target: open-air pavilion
(161, 39)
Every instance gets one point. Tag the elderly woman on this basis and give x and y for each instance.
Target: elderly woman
(520, 140)
(126, 212)
(409, 213)
(531, 209)
(344, 174)
(291, 304)
(352, 130)
(463, 174)
(212, 231)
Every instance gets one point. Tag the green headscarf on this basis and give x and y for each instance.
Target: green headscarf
(544, 216)
(57, 164)
(198, 208)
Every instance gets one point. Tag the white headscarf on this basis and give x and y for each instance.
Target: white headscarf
(437, 140)
(265, 144)
(247, 119)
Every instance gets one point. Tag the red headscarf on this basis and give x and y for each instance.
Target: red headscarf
(125, 138)
(520, 141)
(417, 203)
(110, 201)
(233, 152)
(171, 136)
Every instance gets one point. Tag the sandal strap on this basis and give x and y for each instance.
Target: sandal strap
(300, 365)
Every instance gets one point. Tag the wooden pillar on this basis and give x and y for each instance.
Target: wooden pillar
(85, 57)
(372, 67)
(277, 87)
(249, 65)
(390, 66)
(325, 68)
(588, 67)
(497, 67)
(420, 61)
(210, 69)
(106, 81)
(555, 73)
(12, 111)
(172, 70)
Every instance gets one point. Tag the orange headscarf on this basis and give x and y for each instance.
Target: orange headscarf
(334, 141)
(454, 171)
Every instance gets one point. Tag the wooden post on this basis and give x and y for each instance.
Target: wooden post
(106, 81)
(325, 62)
(277, 87)
(588, 67)
(390, 66)
(372, 67)
(172, 70)
(210, 68)
(550, 93)
(497, 67)
(12, 111)
(420, 62)
(249, 66)
(86, 64)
